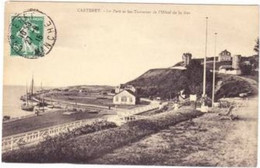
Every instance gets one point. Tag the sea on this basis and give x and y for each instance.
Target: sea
(12, 103)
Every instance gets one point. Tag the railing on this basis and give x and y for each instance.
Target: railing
(16, 141)
(138, 110)
(125, 115)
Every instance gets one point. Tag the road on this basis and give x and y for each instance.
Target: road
(73, 103)
(204, 141)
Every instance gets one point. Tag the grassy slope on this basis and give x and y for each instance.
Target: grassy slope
(84, 148)
(159, 82)
(163, 82)
(232, 86)
(204, 141)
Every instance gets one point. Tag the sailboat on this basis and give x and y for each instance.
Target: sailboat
(32, 85)
(42, 103)
(27, 106)
(29, 94)
(51, 105)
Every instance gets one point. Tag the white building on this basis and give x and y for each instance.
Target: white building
(227, 69)
(224, 56)
(122, 87)
(125, 97)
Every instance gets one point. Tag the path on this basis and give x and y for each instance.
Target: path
(205, 141)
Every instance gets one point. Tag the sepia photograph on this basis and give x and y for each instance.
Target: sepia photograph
(102, 83)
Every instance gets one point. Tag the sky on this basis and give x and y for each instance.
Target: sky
(109, 48)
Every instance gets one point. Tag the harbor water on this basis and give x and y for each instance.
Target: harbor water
(12, 103)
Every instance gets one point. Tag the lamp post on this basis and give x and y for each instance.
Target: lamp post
(205, 62)
(204, 107)
(214, 71)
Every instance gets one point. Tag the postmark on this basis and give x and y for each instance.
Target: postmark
(32, 34)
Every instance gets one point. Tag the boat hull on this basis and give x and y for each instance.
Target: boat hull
(27, 108)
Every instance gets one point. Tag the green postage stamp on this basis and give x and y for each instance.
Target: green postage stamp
(32, 34)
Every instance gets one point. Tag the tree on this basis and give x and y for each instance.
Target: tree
(256, 48)
(194, 74)
(246, 68)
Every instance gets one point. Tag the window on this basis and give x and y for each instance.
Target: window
(116, 99)
(124, 99)
(130, 99)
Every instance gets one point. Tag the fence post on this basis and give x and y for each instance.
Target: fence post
(38, 132)
(27, 138)
(11, 143)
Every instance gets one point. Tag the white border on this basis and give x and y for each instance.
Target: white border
(8, 165)
(232, 2)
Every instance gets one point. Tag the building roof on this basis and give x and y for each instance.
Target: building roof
(129, 91)
(225, 66)
(178, 67)
(225, 52)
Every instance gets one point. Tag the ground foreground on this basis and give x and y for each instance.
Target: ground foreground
(207, 140)
(204, 141)
(175, 138)
(43, 121)
(86, 146)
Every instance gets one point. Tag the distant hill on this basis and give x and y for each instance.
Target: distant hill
(87, 88)
(167, 82)
(159, 82)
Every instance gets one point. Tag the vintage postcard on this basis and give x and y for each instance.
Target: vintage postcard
(130, 84)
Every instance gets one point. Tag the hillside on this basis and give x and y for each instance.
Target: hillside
(159, 82)
(166, 83)
(86, 88)
(232, 86)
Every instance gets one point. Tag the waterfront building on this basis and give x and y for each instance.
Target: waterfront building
(126, 97)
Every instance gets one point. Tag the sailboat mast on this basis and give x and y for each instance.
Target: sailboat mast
(204, 71)
(32, 86)
(42, 98)
(26, 94)
(42, 94)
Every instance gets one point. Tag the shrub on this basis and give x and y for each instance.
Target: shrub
(246, 68)
(81, 149)
(52, 148)
(232, 88)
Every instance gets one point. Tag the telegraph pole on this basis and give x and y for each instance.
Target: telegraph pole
(205, 61)
(214, 71)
